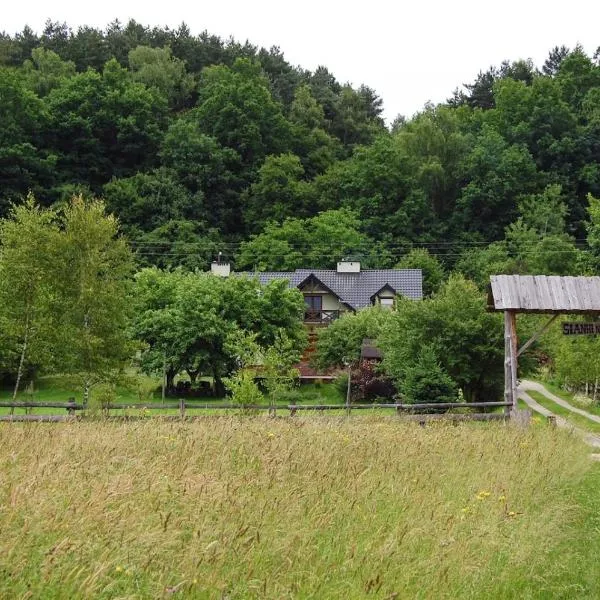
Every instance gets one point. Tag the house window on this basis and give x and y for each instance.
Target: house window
(387, 303)
(314, 303)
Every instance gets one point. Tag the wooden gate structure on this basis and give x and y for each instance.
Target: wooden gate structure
(537, 294)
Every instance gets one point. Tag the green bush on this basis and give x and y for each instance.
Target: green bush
(341, 384)
(426, 381)
(244, 389)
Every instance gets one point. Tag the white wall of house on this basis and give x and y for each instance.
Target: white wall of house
(329, 300)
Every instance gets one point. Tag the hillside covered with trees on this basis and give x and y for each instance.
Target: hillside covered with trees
(200, 145)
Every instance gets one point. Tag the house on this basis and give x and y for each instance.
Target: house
(328, 293)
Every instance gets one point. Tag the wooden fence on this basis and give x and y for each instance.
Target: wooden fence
(408, 411)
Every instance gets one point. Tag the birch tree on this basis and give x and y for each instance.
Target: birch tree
(28, 239)
(96, 269)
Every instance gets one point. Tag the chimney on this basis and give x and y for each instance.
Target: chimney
(220, 268)
(348, 266)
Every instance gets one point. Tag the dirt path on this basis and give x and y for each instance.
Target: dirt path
(590, 438)
(527, 385)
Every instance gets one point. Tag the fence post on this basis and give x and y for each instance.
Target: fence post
(293, 407)
(182, 408)
(348, 390)
(71, 407)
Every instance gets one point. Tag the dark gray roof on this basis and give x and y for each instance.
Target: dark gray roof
(544, 293)
(354, 289)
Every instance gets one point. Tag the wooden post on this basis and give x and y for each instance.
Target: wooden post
(348, 389)
(510, 360)
(71, 406)
(164, 377)
(182, 407)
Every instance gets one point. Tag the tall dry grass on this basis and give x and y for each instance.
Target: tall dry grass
(285, 508)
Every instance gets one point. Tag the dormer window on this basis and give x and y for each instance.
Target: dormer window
(386, 303)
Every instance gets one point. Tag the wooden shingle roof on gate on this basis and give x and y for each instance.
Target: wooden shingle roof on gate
(544, 294)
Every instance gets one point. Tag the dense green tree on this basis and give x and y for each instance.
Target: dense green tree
(498, 174)
(205, 167)
(146, 201)
(425, 381)
(187, 320)
(156, 67)
(577, 75)
(94, 285)
(318, 242)
(340, 343)
(104, 126)
(357, 119)
(466, 340)
(179, 243)
(89, 48)
(236, 107)
(28, 316)
(264, 140)
(46, 70)
(15, 50)
(278, 192)
(283, 78)
(24, 163)
(431, 268)
(56, 37)
(316, 148)
(555, 57)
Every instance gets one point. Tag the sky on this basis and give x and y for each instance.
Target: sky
(410, 52)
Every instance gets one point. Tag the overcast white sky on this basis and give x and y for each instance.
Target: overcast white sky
(408, 51)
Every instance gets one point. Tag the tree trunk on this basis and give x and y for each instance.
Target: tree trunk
(193, 375)
(219, 385)
(86, 392)
(171, 373)
(21, 364)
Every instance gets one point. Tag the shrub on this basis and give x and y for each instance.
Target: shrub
(426, 381)
(243, 388)
(370, 384)
(341, 383)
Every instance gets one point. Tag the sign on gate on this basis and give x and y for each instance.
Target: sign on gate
(581, 328)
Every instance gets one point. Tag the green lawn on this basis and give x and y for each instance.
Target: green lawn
(590, 407)
(58, 389)
(559, 410)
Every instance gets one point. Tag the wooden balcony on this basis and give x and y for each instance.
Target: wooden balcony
(323, 317)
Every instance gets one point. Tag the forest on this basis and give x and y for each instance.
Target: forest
(200, 145)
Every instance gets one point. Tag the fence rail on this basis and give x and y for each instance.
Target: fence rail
(411, 410)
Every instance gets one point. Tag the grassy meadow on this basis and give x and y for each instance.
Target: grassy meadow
(236, 507)
(147, 393)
